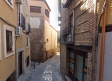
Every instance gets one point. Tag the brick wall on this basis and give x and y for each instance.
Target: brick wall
(63, 59)
(84, 22)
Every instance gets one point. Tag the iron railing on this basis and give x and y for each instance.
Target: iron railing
(67, 35)
(27, 28)
(22, 21)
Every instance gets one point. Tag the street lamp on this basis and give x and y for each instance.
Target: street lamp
(46, 40)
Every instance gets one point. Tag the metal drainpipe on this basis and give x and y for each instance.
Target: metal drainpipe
(73, 27)
(102, 44)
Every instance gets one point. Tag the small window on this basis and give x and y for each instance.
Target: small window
(35, 9)
(28, 61)
(47, 12)
(9, 42)
(27, 41)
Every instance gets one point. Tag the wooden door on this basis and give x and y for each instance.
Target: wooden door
(20, 63)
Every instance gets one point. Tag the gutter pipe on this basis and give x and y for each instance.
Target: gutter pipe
(103, 41)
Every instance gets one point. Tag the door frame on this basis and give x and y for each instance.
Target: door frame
(23, 62)
(81, 53)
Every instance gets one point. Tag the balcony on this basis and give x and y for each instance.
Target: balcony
(66, 3)
(27, 28)
(67, 35)
(22, 21)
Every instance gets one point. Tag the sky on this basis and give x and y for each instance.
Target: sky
(53, 4)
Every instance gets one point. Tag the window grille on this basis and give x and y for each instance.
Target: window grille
(35, 9)
(47, 12)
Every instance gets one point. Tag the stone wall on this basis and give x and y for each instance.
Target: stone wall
(50, 54)
(37, 37)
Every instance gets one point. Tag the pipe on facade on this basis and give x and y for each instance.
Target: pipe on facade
(102, 44)
(73, 26)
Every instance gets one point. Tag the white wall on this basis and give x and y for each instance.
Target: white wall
(107, 69)
(34, 22)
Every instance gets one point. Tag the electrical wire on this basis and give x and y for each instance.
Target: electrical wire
(7, 22)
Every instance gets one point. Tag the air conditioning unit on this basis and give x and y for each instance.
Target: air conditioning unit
(19, 1)
(18, 31)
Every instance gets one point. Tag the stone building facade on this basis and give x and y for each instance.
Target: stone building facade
(77, 24)
(43, 35)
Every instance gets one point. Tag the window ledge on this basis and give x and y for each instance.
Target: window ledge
(10, 52)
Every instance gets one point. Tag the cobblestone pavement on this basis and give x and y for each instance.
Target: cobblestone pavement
(47, 71)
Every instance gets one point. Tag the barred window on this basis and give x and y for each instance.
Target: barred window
(35, 9)
(9, 43)
(47, 12)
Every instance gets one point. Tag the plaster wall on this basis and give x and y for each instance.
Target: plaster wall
(7, 65)
(107, 57)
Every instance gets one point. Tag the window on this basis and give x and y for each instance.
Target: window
(47, 12)
(0, 44)
(28, 61)
(9, 45)
(10, 3)
(27, 41)
(35, 9)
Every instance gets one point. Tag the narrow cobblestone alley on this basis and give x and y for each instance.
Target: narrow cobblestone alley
(47, 71)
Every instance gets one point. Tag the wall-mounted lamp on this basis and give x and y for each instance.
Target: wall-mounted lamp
(46, 40)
